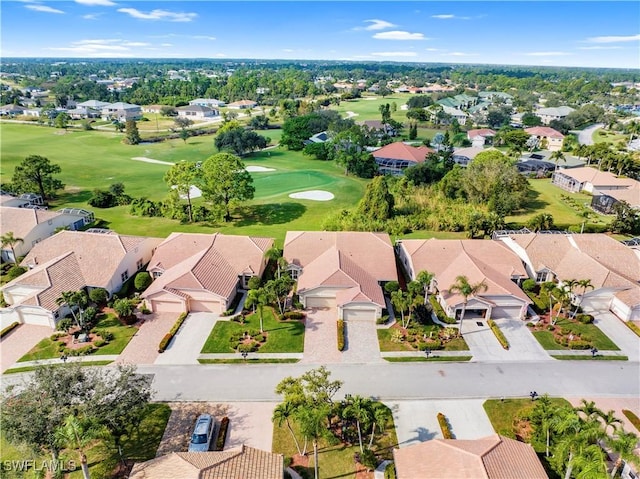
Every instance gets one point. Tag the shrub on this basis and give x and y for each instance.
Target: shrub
(294, 315)
(238, 318)
(100, 342)
(55, 336)
(529, 285)
(172, 332)
(530, 324)
(178, 324)
(259, 338)
(222, 434)
(99, 296)
(498, 334)
(142, 281)
(228, 312)
(14, 272)
(90, 315)
(144, 309)
(287, 461)
(432, 344)
(633, 419)
(390, 471)
(579, 344)
(382, 319)
(422, 314)
(164, 343)
(106, 335)
(340, 325)
(9, 328)
(248, 347)
(444, 426)
(585, 318)
(368, 459)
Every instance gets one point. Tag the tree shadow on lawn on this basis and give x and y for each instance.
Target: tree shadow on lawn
(534, 203)
(80, 196)
(271, 214)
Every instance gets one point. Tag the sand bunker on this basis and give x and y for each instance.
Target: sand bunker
(258, 169)
(194, 192)
(149, 160)
(315, 195)
(351, 114)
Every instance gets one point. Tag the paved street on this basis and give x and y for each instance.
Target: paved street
(585, 137)
(187, 344)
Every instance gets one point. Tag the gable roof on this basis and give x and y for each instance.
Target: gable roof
(596, 177)
(97, 104)
(483, 132)
(544, 131)
(493, 457)
(555, 111)
(120, 105)
(479, 260)
(371, 252)
(196, 108)
(471, 152)
(631, 195)
(401, 151)
(22, 220)
(98, 255)
(243, 103)
(241, 462)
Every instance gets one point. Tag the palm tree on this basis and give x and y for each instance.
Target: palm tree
(282, 413)
(11, 241)
(557, 157)
(466, 290)
(77, 434)
(360, 409)
(73, 299)
(623, 444)
(425, 278)
(275, 254)
(589, 409)
(548, 287)
(313, 425)
(258, 298)
(400, 301)
(585, 284)
(379, 419)
(609, 419)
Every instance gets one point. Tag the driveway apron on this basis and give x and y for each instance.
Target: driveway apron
(361, 342)
(187, 344)
(321, 337)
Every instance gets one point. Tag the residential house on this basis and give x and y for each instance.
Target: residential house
(242, 105)
(547, 115)
(121, 111)
(378, 128)
(240, 462)
(197, 112)
(456, 114)
(203, 272)
(81, 113)
(535, 167)
(546, 138)
(464, 156)
(209, 102)
(34, 224)
(153, 108)
(612, 267)
(589, 179)
(93, 104)
(492, 457)
(317, 138)
(12, 110)
(496, 96)
(21, 201)
(481, 137)
(604, 200)
(343, 270)
(70, 261)
(396, 157)
(481, 261)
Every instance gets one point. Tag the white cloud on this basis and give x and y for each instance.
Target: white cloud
(287, 50)
(399, 35)
(614, 39)
(43, 8)
(219, 55)
(100, 3)
(377, 25)
(394, 54)
(166, 44)
(547, 54)
(158, 14)
(136, 44)
(432, 49)
(101, 47)
(91, 16)
(203, 37)
(449, 16)
(600, 47)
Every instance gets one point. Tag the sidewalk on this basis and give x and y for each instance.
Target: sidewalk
(73, 359)
(251, 356)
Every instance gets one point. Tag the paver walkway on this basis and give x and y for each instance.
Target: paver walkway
(615, 404)
(361, 342)
(187, 344)
(417, 421)
(19, 342)
(321, 337)
(143, 347)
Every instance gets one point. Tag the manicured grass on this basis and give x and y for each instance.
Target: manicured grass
(588, 332)
(605, 136)
(589, 358)
(384, 339)
(121, 335)
(45, 349)
(283, 336)
(430, 359)
(248, 361)
(503, 414)
(334, 460)
(33, 368)
(144, 441)
(546, 197)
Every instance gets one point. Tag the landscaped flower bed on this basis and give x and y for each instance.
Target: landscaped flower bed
(566, 333)
(420, 338)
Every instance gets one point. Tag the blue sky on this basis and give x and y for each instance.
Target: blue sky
(593, 34)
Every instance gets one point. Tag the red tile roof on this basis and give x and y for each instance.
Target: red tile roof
(471, 134)
(400, 151)
(544, 131)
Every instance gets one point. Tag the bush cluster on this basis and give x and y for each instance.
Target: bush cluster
(169, 336)
(83, 351)
(228, 312)
(633, 419)
(340, 325)
(9, 328)
(444, 426)
(579, 344)
(222, 434)
(294, 315)
(585, 318)
(498, 333)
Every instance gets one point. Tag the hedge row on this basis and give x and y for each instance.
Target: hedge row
(633, 419)
(222, 434)
(440, 314)
(8, 329)
(444, 426)
(169, 336)
(633, 327)
(498, 333)
(340, 324)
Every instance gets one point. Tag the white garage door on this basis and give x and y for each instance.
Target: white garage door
(203, 306)
(164, 306)
(508, 312)
(359, 314)
(320, 302)
(36, 319)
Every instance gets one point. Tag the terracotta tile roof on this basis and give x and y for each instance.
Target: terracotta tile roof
(98, 255)
(22, 220)
(483, 132)
(239, 463)
(400, 151)
(596, 177)
(631, 195)
(479, 260)
(372, 252)
(493, 457)
(242, 103)
(544, 131)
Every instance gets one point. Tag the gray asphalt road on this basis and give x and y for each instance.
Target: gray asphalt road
(585, 137)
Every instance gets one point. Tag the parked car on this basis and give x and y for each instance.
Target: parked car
(202, 432)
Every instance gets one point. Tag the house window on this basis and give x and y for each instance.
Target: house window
(139, 264)
(541, 277)
(124, 276)
(294, 273)
(157, 274)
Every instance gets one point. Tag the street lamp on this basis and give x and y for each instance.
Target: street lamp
(594, 351)
(533, 395)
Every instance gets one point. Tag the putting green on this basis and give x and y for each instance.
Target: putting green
(272, 185)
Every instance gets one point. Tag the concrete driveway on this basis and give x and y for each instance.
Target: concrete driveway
(523, 346)
(483, 344)
(19, 342)
(585, 137)
(187, 344)
(417, 421)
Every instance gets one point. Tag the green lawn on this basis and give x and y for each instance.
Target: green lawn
(430, 359)
(588, 332)
(605, 136)
(248, 361)
(334, 460)
(546, 197)
(33, 368)
(503, 414)
(384, 339)
(589, 358)
(47, 349)
(283, 336)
